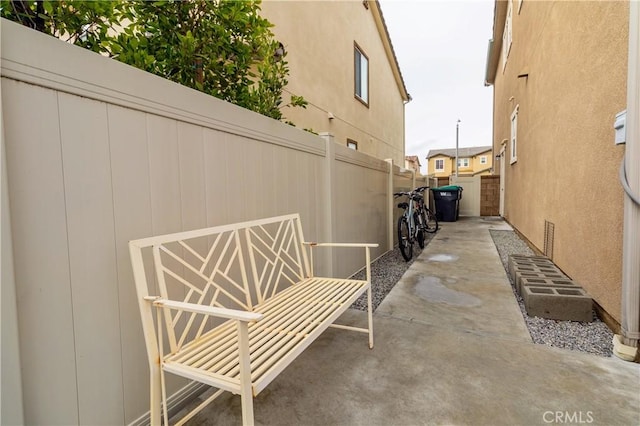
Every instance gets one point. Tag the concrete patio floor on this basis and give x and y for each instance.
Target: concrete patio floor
(451, 347)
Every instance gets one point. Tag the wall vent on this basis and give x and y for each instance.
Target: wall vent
(548, 239)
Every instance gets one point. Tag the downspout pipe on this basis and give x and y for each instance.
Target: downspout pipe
(625, 345)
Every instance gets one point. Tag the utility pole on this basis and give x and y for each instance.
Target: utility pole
(457, 124)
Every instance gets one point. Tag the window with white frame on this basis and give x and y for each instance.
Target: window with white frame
(507, 36)
(361, 75)
(463, 162)
(352, 144)
(483, 159)
(439, 164)
(513, 145)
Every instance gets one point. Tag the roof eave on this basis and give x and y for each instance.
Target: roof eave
(495, 44)
(388, 48)
(439, 154)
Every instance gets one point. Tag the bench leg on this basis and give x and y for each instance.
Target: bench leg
(369, 304)
(246, 391)
(370, 316)
(247, 409)
(155, 396)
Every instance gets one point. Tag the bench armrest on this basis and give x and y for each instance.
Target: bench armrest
(206, 310)
(313, 244)
(367, 249)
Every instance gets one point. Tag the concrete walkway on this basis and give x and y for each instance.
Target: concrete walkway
(451, 348)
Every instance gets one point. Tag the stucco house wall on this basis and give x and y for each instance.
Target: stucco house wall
(474, 168)
(448, 166)
(320, 38)
(566, 74)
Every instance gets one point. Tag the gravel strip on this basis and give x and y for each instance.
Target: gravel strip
(591, 337)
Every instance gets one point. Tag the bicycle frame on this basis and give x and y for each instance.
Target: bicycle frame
(413, 223)
(427, 220)
(408, 214)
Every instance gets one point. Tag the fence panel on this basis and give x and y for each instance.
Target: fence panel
(132, 209)
(90, 230)
(470, 203)
(40, 253)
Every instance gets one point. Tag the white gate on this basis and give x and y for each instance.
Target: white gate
(470, 203)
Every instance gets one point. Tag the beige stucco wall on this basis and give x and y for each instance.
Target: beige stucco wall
(575, 55)
(477, 166)
(319, 39)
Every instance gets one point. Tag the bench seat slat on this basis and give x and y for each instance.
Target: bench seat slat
(259, 383)
(297, 325)
(224, 335)
(292, 320)
(319, 310)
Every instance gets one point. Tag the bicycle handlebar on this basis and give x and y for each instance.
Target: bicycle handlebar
(411, 193)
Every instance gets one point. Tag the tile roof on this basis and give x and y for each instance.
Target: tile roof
(462, 152)
(413, 159)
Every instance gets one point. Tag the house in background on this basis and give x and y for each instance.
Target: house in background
(412, 162)
(474, 161)
(559, 75)
(342, 62)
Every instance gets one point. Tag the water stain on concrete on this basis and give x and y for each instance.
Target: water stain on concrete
(432, 290)
(443, 258)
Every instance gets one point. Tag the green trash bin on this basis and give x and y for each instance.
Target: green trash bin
(447, 200)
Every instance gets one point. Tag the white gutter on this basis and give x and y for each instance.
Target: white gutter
(626, 344)
(487, 69)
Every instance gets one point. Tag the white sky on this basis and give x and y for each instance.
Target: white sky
(441, 47)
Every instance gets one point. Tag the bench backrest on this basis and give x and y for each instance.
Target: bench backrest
(235, 266)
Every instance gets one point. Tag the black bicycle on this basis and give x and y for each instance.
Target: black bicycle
(414, 222)
(427, 218)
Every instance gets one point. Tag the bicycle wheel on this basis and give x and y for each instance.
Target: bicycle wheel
(418, 219)
(404, 239)
(431, 222)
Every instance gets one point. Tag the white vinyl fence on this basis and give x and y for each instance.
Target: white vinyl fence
(96, 153)
(470, 203)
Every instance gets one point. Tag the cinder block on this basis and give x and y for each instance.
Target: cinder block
(541, 279)
(566, 304)
(546, 270)
(525, 257)
(532, 262)
(538, 263)
(528, 262)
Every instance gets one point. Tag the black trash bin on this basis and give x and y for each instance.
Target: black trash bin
(447, 200)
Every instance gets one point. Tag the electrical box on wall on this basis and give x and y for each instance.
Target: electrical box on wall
(620, 126)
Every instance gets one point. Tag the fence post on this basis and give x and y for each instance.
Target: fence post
(390, 205)
(328, 214)
(12, 411)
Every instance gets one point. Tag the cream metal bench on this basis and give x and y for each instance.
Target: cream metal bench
(223, 326)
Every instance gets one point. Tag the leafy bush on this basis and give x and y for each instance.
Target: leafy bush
(223, 48)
